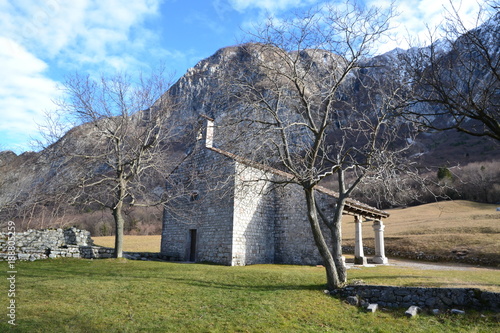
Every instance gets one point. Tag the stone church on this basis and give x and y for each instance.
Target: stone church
(228, 210)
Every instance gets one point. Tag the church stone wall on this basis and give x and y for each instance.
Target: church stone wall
(270, 221)
(254, 217)
(294, 240)
(202, 208)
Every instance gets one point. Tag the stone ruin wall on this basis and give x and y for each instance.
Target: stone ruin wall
(50, 243)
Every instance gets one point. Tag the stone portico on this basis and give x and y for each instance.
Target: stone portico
(363, 213)
(378, 228)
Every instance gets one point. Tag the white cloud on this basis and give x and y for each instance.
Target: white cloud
(416, 17)
(70, 29)
(25, 93)
(409, 27)
(269, 5)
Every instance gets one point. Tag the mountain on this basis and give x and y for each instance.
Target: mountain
(202, 91)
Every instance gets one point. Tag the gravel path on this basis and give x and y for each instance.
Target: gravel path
(437, 266)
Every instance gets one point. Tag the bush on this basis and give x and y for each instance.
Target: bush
(444, 174)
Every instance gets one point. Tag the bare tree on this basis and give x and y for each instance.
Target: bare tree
(317, 111)
(457, 78)
(118, 148)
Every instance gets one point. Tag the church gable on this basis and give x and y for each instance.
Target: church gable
(197, 223)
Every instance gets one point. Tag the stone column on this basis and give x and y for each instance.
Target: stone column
(379, 257)
(359, 255)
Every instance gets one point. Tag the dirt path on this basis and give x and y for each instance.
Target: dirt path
(437, 266)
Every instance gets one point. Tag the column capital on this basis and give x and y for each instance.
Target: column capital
(378, 225)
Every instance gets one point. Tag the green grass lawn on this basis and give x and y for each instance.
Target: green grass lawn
(117, 295)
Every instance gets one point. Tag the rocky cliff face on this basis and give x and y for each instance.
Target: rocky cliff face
(201, 91)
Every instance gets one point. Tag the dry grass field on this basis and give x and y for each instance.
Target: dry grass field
(132, 243)
(446, 230)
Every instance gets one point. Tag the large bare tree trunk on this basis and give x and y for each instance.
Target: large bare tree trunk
(332, 278)
(119, 224)
(336, 232)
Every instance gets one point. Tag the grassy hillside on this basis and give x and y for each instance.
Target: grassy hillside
(451, 230)
(77, 295)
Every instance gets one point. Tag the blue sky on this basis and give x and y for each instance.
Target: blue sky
(41, 42)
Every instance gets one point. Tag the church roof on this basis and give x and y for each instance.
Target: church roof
(353, 207)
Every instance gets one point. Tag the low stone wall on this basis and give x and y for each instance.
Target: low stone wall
(86, 252)
(425, 298)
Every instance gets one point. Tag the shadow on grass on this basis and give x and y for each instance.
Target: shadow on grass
(385, 280)
(234, 286)
(214, 276)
